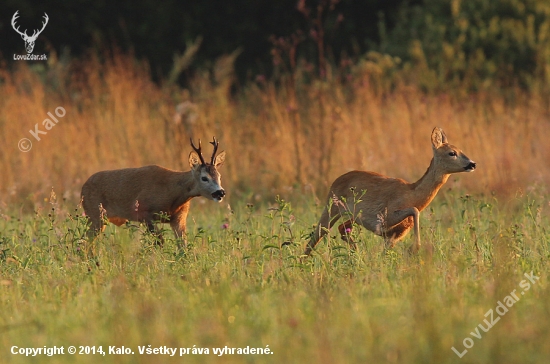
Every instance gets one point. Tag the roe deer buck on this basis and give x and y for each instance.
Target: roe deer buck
(141, 194)
(389, 207)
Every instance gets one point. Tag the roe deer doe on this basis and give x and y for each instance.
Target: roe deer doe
(141, 194)
(389, 207)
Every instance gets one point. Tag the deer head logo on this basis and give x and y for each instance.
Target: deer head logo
(29, 40)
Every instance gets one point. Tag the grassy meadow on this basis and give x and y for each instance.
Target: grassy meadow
(241, 281)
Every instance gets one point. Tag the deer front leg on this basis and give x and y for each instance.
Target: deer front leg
(178, 222)
(399, 228)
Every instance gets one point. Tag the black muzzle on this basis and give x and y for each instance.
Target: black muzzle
(219, 194)
(471, 166)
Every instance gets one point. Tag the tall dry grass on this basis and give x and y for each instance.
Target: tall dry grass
(279, 138)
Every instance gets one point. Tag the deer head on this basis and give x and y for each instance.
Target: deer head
(447, 157)
(29, 40)
(206, 174)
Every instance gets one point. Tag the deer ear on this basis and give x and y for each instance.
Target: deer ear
(438, 137)
(220, 158)
(194, 159)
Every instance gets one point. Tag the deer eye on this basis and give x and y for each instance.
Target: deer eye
(204, 179)
(452, 154)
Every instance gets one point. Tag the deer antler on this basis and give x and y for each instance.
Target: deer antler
(44, 23)
(24, 34)
(13, 19)
(215, 144)
(198, 150)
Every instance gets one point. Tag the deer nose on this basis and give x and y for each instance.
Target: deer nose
(471, 166)
(218, 195)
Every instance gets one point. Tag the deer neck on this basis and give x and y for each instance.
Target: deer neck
(188, 185)
(425, 189)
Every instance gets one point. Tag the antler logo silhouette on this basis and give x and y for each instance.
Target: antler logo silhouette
(29, 40)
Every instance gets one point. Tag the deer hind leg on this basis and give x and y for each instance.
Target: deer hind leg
(93, 212)
(96, 227)
(157, 235)
(345, 233)
(393, 235)
(400, 222)
(327, 220)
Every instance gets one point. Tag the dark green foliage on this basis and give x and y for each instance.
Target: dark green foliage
(477, 43)
(156, 30)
